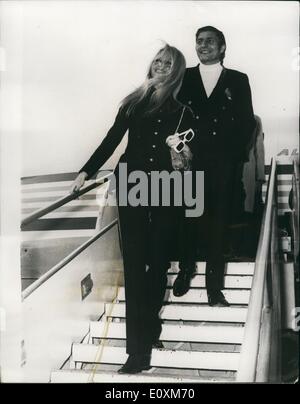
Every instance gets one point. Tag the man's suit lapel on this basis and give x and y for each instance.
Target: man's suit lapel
(199, 87)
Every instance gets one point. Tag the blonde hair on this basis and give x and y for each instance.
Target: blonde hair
(169, 87)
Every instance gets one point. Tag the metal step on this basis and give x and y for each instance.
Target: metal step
(174, 332)
(231, 281)
(200, 296)
(88, 376)
(231, 268)
(88, 353)
(179, 312)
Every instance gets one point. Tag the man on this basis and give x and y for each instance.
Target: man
(221, 101)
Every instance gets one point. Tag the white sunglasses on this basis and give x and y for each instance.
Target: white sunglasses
(184, 137)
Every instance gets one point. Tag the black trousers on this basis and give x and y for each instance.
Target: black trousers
(149, 235)
(207, 233)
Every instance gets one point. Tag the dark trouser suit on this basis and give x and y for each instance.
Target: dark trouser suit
(209, 231)
(148, 236)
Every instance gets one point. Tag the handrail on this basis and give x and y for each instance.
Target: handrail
(296, 178)
(269, 356)
(62, 201)
(294, 202)
(262, 368)
(250, 346)
(66, 260)
(296, 167)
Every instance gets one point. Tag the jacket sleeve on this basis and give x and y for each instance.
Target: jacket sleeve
(245, 116)
(108, 145)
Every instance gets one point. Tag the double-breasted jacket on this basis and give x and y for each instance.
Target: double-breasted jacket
(225, 119)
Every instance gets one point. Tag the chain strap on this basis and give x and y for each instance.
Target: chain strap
(176, 131)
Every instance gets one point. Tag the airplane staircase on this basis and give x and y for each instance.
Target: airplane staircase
(240, 343)
(201, 343)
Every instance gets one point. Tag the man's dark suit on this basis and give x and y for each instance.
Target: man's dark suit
(225, 123)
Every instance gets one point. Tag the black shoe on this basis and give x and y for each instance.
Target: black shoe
(182, 283)
(158, 345)
(136, 363)
(217, 299)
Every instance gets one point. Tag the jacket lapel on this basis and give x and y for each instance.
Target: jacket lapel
(199, 87)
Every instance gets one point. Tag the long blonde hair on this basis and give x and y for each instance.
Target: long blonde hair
(170, 86)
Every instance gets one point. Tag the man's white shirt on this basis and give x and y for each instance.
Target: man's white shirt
(210, 75)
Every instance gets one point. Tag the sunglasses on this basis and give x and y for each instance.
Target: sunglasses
(184, 137)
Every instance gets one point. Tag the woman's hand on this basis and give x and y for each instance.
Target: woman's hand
(172, 140)
(187, 152)
(78, 182)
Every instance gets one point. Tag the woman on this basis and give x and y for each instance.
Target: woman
(152, 114)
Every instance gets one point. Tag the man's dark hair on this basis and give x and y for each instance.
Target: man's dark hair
(220, 36)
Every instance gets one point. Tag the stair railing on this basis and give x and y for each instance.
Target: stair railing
(260, 356)
(294, 206)
(60, 202)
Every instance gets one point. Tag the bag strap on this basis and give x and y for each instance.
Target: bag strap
(176, 131)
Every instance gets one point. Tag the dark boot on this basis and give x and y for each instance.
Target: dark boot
(158, 344)
(157, 327)
(182, 282)
(136, 363)
(216, 298)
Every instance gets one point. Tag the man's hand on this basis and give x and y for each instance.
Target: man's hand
(78, 182)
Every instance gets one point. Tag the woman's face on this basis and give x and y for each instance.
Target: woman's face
(161, 66)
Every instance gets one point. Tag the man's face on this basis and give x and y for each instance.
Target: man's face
(208, 48)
